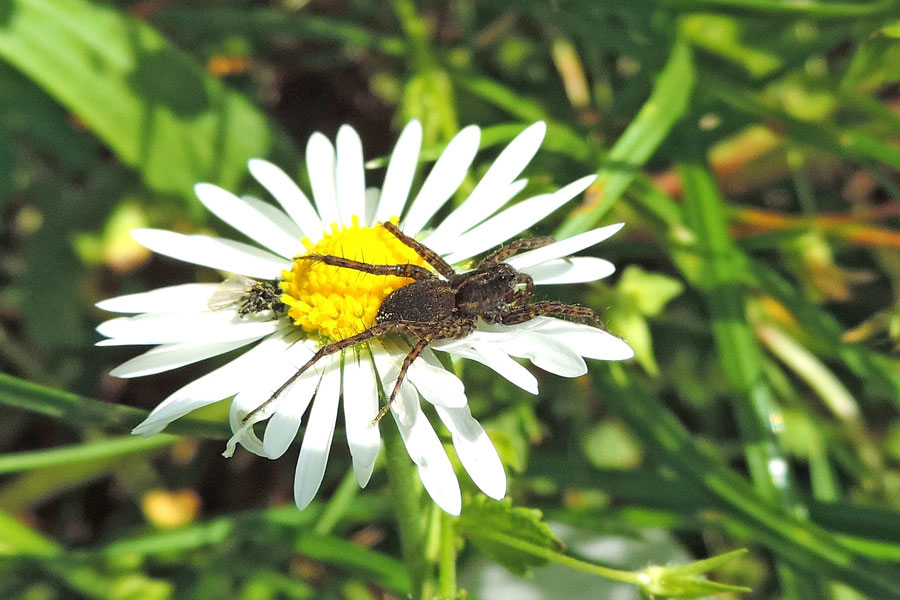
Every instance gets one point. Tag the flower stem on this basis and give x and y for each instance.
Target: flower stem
(447, 565)
(406, 492)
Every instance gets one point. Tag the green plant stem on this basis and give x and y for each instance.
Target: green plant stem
(562, 559)
(447, 564)
(406, 493)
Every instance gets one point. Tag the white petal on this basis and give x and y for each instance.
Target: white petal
(360, 409)
(435, 469)
(436, 384)
(320, 162)
(444, 241)
(225, 381)
(290, 196)
(171, 356)
(406, 402)
(242, 419)
(514, 220)
(217, 253)
(565, 247)
(578, 269)
(256, 403)
(188, 297)
(170, 328)
(349, 175)
(400, 172)
(490, 194)
(275, 215)
(246, 219)
(590, 342)
(475, 450)
(284, 424)
(372, 195)
(494, 358)
(318, 436)
(443, 180)
(548, 354)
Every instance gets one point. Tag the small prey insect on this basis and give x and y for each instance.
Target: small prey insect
(249, 295)
(446, 307)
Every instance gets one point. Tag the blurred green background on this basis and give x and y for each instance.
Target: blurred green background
(751, 147)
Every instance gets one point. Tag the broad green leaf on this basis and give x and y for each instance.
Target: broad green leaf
(649, 292)
(483, 516)
(149, 102)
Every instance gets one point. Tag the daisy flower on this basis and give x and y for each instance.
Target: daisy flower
(319, 304)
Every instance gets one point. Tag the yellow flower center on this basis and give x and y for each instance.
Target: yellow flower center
(337, 302)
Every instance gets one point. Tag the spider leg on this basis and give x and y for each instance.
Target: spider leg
(407, 362)
(429, 255)
(520, 297)
(452, 328)
(530, 311)
(407, 270)
(373, 331)
(504, 252)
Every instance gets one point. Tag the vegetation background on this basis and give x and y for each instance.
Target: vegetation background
(750, 146)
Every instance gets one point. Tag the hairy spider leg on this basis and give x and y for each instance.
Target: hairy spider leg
(520, 297)
(407, 362)
(453, 328)
(549, 307)
(373, 331)
(406, 270)
(503, 252)
(430, 256)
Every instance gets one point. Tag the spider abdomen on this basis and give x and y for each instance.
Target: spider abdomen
(424, 301)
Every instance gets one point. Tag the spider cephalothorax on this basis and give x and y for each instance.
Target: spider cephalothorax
(446, 307)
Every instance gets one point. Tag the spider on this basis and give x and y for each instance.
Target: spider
(432, 308)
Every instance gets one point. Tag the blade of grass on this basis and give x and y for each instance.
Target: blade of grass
(79, 411)
(824, 10)
(799, 543)
(663, 109)
(77, 453)
(738, 351)
(221, 21)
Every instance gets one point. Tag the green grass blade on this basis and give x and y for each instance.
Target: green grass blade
(662, 110)
(78, 411)
(801, 544)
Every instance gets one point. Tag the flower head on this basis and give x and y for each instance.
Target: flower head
(321, 303)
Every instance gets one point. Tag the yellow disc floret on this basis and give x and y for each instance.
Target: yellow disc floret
(335, 302)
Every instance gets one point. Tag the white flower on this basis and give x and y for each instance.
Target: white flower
(328, 303)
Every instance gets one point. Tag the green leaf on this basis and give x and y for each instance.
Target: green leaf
(150, 103)
(609, 445)
(484, 516)
(648, 292)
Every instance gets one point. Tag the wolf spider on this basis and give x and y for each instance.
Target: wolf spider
(432, 308)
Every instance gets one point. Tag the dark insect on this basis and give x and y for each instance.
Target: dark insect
(432, 308)
(251, 296)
